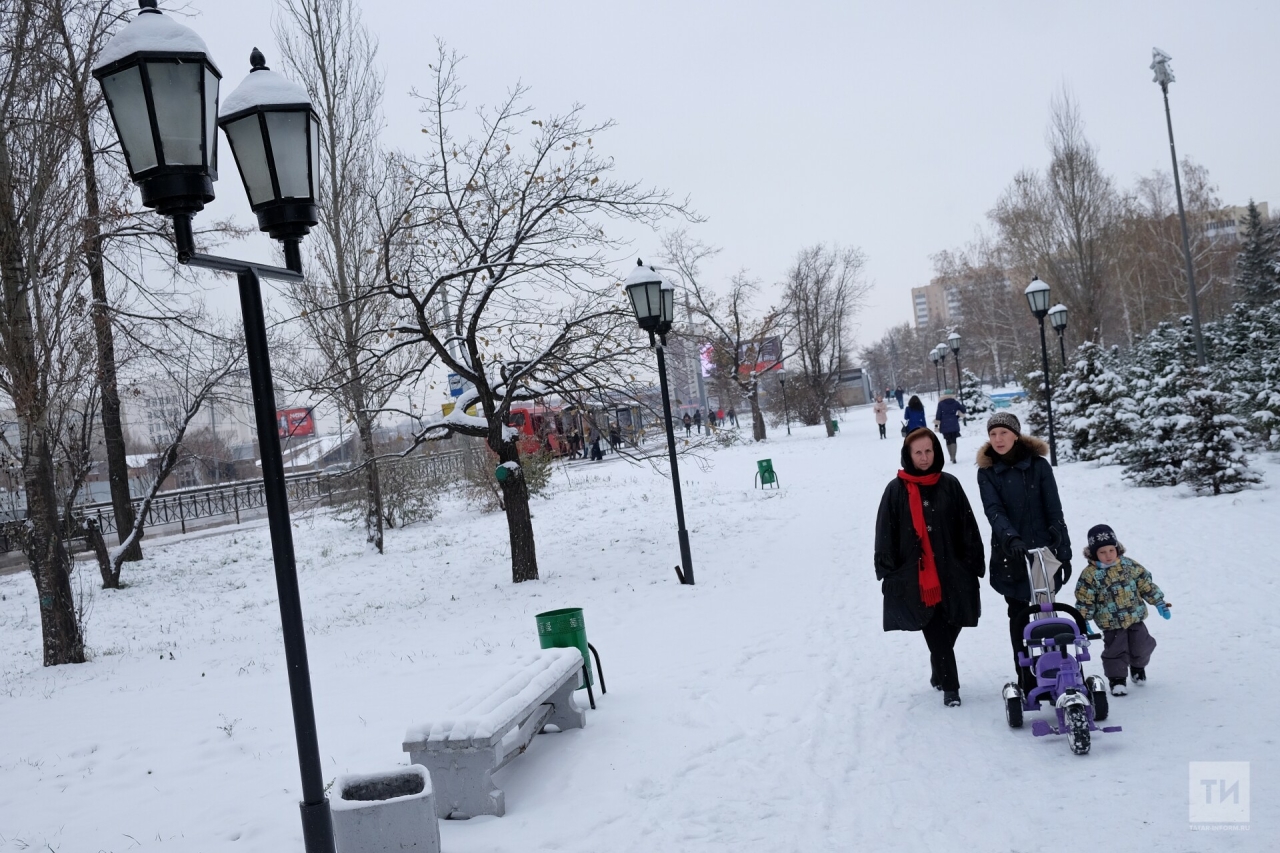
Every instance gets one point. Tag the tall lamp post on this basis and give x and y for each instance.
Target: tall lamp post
(786, 410)
(953, 341)
(654, 298)
(1037, 294)
(161, 88)
(1164, 76)
(941, 349)
(937, 380)
(1058, 319)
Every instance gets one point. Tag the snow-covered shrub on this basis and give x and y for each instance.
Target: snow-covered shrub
(407, 495)
(480, 487)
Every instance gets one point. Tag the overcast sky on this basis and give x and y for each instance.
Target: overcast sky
(888, 126)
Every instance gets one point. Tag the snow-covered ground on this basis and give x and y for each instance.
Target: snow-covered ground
(763, 709)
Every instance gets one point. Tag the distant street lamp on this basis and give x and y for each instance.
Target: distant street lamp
(161, 88)
(1164, 76)
(953, 340)
(653, 299)
(942, 362)
(1058, 319)
(937, 379)
(1037, 294)
(786, 411)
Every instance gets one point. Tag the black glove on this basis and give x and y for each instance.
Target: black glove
(1017, 550)
(1061, 577)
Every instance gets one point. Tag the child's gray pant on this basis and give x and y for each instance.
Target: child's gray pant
(1123, 648)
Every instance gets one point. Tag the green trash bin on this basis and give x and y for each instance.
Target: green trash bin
(565, 629)
(835, 425)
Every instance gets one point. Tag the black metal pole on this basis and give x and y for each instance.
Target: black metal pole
(686, 558)
(317, 823)
(937, 380)
(786, 410)
(1062, 348)
(1186, 239)
(1048, 395)
(959, 379)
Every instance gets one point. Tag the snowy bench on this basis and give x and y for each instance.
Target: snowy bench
(486, 731)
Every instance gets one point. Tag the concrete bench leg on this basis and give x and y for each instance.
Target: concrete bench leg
(567, 715)
(463, 781)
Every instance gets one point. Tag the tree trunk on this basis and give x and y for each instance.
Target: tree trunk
(826, 421)
(515, 495)
(757, 416)
(104, 337)
(372, 485)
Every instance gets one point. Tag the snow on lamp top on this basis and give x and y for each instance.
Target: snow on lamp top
(1037, 294)
(1160, 65)
(263, 88)
(151, 32)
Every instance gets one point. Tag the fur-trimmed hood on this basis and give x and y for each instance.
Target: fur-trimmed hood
(1034, 445)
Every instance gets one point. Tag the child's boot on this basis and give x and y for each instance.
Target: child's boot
(1139, 674)
(1118, 687)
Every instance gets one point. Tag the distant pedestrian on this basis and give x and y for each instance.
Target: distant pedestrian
(688, 424)
(915, 414)
(882, 413)
(898, 395)
(733, 416)
(597, 453)
(947, 417)
(697, 420)
(615, 438)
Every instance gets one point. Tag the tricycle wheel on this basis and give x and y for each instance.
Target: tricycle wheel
(1078, 729)
(1013, 711)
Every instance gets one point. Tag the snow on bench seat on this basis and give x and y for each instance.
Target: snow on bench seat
(482, 733)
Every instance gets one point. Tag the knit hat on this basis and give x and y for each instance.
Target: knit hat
(1008, 420)
(1100, 536)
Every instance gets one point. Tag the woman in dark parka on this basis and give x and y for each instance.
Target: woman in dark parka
(929, 557)
(1020, 498)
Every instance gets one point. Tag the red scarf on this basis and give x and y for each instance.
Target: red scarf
(930, 588)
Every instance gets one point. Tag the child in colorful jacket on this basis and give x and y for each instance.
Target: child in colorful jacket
(1111, 591)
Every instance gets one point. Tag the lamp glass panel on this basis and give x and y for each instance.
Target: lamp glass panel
(313, 131)
(211, 119)
(175, 91)
(645, 309)
(129, 107)
(668, 304)
(289, 147)
(245, 137)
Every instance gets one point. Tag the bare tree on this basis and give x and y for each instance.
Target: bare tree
(192, 366)
(1062, 225)
(496, 249)
(747, 342)
(344, 309)
(824, 292)
(46, 339)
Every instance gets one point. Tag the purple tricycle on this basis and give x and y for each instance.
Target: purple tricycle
(1055, 646)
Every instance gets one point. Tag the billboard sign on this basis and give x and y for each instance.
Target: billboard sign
(761, 356)
(295, 422)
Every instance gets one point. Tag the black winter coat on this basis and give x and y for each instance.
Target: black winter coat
(1021, 502)
(957, 551)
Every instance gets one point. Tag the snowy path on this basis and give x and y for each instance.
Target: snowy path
(763, 709)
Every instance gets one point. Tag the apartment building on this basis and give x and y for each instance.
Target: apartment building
(935, 304)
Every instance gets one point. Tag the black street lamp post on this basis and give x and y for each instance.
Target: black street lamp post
(653, 299)
(941, 349)
(1164, 76)
(937, 379)
(1058, 319)
(1037, 294)
(786, 410)
(953, 341)
(162, 91)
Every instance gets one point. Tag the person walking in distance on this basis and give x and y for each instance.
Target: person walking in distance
(915, 414)
(688, 424)
(929, 557)
(881, 410)
(947, 418)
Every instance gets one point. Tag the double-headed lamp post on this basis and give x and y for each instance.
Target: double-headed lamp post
(1164, 76)
(653, 298)
(937, 381)
(786, 410)
(941, 349)
(1058, 319)
(161, 88)
(1037, 294)
(953, 341)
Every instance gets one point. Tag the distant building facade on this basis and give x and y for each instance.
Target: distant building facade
(1230, 223)
(936, 304)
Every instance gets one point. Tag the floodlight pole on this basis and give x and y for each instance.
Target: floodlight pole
(659, 342)
(1193, 297)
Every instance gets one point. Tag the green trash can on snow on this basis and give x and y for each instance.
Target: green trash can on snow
(565, 629)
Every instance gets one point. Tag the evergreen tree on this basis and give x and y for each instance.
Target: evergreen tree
(1212, 441)
(1258, 264)
(1160, 367)
(976, 400)
(1093, 407)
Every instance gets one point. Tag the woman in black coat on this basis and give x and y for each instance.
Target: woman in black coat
(1020, 498)
(929, 557)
